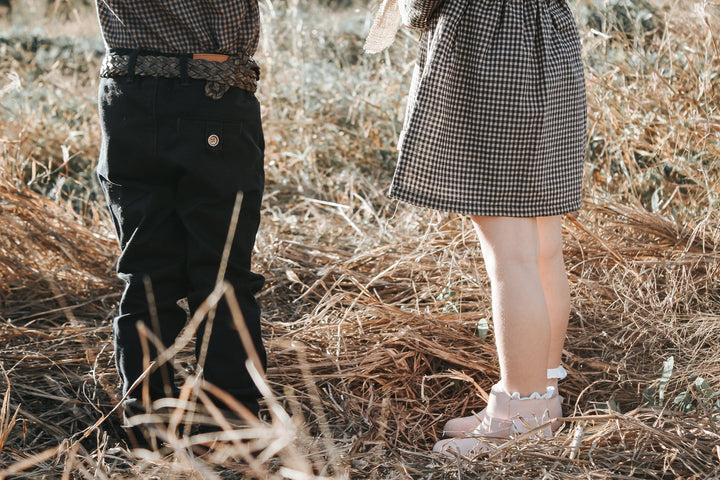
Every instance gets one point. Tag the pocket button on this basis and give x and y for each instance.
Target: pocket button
(213, 140)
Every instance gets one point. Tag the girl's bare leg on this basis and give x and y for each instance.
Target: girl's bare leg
(553, 278)
(556, 288)
(511, 248)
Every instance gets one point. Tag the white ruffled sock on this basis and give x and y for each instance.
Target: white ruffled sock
(558, 373)
(549, 392)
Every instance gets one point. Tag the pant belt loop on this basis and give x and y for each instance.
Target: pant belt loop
(132, 61)
(184, 78)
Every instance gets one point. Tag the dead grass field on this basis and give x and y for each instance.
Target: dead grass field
(377, 314)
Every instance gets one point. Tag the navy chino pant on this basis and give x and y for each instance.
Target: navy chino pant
(171, 164)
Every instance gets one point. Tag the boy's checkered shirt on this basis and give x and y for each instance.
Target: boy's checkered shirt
(181, 26)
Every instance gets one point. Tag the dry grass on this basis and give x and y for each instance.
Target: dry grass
(372, 309)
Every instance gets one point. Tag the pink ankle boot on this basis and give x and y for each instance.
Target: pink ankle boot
(505, 416)
(463, 426)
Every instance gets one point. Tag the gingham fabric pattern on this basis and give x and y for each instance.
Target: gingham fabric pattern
(417, 13)
(496, 118)
(227, 27)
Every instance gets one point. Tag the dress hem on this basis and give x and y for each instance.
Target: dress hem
(485, 212)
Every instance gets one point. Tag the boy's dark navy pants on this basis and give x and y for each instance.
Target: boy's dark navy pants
(171, 165)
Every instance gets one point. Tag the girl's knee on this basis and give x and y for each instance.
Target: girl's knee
(550, 232)
(550, 253)
(508, 242)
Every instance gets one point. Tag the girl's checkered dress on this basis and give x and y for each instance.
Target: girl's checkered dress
(496, 119)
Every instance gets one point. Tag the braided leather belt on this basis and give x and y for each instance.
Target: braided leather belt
(236, 71)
